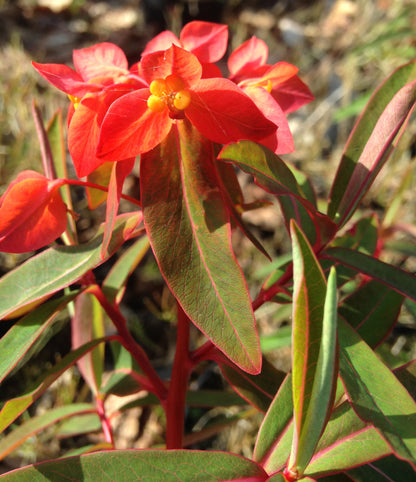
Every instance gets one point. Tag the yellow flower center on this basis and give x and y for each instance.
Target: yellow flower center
(171, 93)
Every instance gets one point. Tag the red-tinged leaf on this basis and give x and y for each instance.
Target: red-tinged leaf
(206, 40)
(362, 236)
(292, 94)
(387, 405)
(34, 425)
(281, 141)
(115, 282)
(277, 478)
(258, 390)
(100, 60)
(16, 406)
(277, 421)
(314, 350)
(131, 128)
(247, 57)
(56, 268)
(87, 324)
(56, 137)
(186, 220)
(169, 466)
(223, 113)
(174, 60)
(274, 176)
(388, 469)
(65, 79)
(119, 172)
(346, 442)
(88, 423)
(374, 137)
(84, 129)
(400, 280)
(372, 310)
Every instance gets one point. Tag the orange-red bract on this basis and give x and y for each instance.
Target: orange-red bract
(32, 213)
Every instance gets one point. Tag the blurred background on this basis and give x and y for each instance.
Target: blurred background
(343, 49)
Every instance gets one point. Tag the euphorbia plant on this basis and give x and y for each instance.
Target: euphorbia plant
(341, 409)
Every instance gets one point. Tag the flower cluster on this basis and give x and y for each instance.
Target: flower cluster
(117, 113)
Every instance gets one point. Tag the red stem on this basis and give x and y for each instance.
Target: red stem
(182, 367)
(156, 384)
(105, 423)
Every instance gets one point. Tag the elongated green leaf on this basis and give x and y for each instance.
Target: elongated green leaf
(346, 442)
(275, 423)
(149, 465)
(372, 141)
(36, 424)
(372, 310)
(14, 407)
(381, 400)
(273, 175)
(114, 283)
(400, 280)
(30, 334)
(258, 390)
(189, 231)
(314, 348)
(58, 267)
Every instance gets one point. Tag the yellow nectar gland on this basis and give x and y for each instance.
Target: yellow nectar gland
(169, 92)
(74, 100)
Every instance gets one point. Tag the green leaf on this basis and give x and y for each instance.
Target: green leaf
(400, 280)
(115, 282)
(346, 442)
(382, 399)
(58, 267)
(277, 420)
(149, 465)
(372, 310)
(36, 424)
(371, 142)
(189, 230)
(14, 407)
(314, 350)
(259, 390)
(30, 334)
(274, 176)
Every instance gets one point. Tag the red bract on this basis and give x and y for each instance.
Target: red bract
(206, 40)
(140, 120)
(32, 213)
(101, 75)
(248, 68)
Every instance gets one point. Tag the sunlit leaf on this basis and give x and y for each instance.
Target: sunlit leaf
(374, 137)
(38, 423)
(189, 231)
(314, 348)
(58, 267)
(387, 405)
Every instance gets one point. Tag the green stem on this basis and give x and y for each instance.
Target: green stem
(182, 367)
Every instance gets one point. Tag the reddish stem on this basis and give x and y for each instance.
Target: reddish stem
(105, 423)
(182, 367)
(156, 384)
